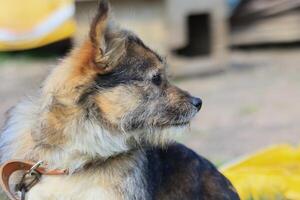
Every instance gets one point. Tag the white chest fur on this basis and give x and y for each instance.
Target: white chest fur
(88, 187)
(119, 180)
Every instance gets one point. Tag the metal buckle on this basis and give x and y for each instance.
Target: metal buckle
(34, 167)
(29, 179)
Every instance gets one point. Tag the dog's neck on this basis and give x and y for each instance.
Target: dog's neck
(84, 142)
(75, 161)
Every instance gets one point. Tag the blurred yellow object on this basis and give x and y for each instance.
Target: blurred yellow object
(34, 23)
(272, 174)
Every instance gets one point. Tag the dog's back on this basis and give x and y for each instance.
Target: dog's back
(177, 173)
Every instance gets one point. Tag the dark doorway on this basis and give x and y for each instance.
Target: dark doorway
(199, 36)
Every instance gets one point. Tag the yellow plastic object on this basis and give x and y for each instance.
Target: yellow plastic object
(34, 23)
(272, 174)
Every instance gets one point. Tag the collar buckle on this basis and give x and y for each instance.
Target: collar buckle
(29, 179)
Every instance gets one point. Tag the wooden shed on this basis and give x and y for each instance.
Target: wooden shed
(265, 22)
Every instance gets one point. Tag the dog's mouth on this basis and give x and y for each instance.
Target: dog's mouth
(180, 124)
(176, 124)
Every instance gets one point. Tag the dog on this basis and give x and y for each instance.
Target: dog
(106, 113)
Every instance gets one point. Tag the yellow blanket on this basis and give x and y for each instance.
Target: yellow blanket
(272, 174)
(34, 23)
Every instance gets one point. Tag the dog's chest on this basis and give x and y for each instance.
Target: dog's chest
(73, 188)
(92, 186)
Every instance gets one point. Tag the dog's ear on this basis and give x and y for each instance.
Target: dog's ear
(108, 47)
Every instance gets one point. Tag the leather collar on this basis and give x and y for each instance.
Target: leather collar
(11, 166)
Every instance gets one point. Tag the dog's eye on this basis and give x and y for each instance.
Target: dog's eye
(156, 79)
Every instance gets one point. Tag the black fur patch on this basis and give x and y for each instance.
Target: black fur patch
(177, 173)
(116, 78)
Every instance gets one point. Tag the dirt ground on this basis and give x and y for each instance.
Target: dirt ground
(253, 104)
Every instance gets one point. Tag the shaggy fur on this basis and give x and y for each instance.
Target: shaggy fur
(106, 114)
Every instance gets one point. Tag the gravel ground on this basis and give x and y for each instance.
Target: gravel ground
(253, 104)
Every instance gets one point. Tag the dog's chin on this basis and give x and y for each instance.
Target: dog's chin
(162, 135)
(175, 129)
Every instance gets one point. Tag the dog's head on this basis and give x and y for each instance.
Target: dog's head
(122, 84)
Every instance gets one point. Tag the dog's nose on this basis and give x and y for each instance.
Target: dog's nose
(197, 102)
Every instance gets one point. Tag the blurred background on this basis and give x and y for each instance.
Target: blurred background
(241, 57)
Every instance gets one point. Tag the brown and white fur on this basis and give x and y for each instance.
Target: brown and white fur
(106, 114)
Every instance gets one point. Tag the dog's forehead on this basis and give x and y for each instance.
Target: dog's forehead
(143, 52)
